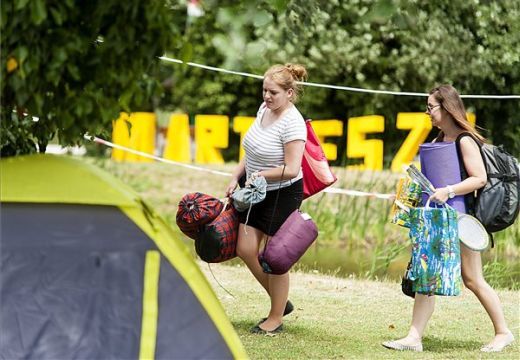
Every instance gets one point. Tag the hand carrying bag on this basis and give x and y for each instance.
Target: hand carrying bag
(436, 267)
(247, 196)
(196, 209)
(289, 243)
(471, 232)
(317, 174)
(217, 241)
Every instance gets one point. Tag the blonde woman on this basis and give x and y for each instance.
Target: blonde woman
(274, 146)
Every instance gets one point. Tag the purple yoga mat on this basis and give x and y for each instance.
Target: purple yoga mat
(440, 164)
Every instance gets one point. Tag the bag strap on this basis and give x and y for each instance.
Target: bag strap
(471, 199)
(466, 133)
(477, 141)
(226, 202)
(463, 171)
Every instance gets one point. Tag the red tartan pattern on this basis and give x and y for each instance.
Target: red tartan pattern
(197, 209)
(217, 240)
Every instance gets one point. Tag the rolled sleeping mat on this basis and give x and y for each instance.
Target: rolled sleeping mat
(440, 164)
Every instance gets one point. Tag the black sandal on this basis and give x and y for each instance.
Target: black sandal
(289, 308)
(258, 330)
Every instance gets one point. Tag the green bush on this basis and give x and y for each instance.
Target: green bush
(76, 64)
(390, 45)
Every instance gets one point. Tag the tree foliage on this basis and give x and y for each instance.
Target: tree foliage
(399, 45)
(75, 65)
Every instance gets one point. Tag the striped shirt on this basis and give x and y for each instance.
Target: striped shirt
(264, 147)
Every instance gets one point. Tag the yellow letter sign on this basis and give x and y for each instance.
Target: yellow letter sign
(472, 118)
(324, 128)
(240, 125)
(357, 145)
(211, 133)
(141, 136)
(420, 126)
(178, 139)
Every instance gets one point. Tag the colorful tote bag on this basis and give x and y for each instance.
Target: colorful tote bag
(197, 209)
(317, 174)
(435, 268)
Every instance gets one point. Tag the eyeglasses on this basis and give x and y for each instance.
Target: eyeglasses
(430, 108)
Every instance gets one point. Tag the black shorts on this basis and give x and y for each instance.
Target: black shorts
(261, 214)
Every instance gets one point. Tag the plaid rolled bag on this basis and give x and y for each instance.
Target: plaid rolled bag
(217, 241)
(197, 209)
(435, 268)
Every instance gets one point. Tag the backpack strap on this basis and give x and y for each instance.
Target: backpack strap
(465, 133)
(470, 199)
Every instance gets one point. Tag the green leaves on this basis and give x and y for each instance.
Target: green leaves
(279, 6)
(16, 136)
(186, 53)
(375, 44)
(67, 78)
(382, 11)
(38, 11)
(75, 83)
(262, 18)
(20, 4)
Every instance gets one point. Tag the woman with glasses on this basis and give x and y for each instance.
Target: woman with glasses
(448, 114)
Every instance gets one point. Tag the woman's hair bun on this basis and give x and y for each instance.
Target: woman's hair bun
(298, 72)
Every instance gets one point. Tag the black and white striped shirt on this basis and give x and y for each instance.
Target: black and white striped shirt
(264, 147)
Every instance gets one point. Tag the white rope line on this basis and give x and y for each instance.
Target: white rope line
(334, 190)
(336, 87)
(331, 190)
(211, 68)
(149, 156)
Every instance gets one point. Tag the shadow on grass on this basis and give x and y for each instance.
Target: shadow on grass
(440, 345)
(303, 340)
(295, 330)
(244, 325)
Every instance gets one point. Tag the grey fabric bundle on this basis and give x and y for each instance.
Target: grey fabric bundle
(250, 194)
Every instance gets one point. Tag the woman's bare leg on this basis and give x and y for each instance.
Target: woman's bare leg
(247, 249)
(422, 311)
(474, 280)
(279, 291)
(277, 286)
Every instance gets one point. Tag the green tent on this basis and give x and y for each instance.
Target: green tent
(90, 271)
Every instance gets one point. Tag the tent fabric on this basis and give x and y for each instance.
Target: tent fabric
(186, 323)
(70, 304)
(73, 276)
(70, 226)
(60, 179)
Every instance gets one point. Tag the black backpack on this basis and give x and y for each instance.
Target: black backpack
(497, 203)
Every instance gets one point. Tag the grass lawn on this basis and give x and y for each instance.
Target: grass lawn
(337, 318)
